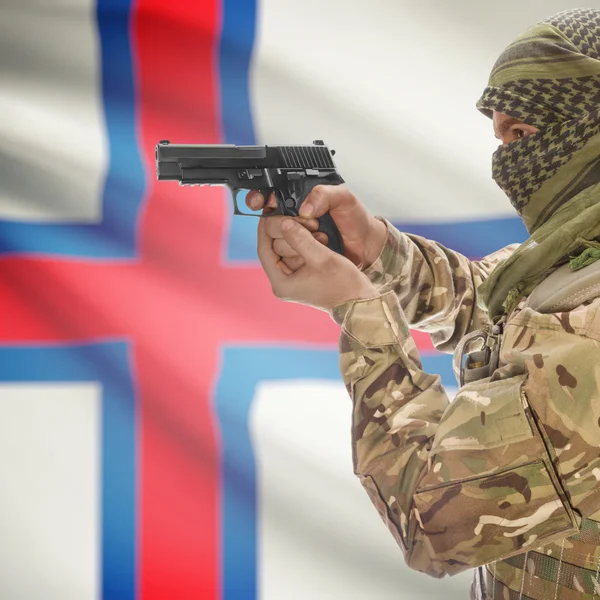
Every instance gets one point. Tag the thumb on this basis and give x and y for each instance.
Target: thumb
(317, 203)
(302, 241)
(326, 198)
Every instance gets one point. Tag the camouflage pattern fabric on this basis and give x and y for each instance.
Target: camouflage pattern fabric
(446, 306)
(553, 244)
(511, 465)
(542, 571)
(549, 77)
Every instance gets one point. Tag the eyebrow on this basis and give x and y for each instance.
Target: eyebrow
(505, 126)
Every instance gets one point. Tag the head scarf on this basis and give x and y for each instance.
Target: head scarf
(549, 77)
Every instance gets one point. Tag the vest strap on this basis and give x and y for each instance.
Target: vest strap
(548, 568)
(498, 591)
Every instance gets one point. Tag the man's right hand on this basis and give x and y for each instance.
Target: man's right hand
(362, 234)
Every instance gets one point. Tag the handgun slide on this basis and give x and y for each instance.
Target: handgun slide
(289, 172)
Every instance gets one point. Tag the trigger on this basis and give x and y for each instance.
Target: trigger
(278, 208)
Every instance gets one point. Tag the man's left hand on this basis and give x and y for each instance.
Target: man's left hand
(325, 280)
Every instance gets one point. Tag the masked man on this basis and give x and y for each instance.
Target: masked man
(506, 477)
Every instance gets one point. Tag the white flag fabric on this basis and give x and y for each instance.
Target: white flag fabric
(168, 429)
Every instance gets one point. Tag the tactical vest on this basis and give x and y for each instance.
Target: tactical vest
(567, 570)
(574, 563)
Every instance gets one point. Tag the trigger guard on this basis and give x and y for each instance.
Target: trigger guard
(234, 196)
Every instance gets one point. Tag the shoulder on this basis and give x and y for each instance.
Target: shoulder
(583, 320)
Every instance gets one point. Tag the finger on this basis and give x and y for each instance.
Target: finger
(316, 203)
(321, 237)
(311, 224)
(268, 258)
(294, 262)
(302, 241)
(271, 205)
(267, 210)
(274, 225)
(254, 200)
(283, 249)
(272, 201)
(285, 268)
(325, 198)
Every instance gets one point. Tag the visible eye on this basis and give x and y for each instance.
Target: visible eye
(519, 133)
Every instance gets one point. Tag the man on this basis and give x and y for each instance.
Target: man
(507, 474)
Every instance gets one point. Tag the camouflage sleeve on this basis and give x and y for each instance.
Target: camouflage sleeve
(458, 484)
(436, 286)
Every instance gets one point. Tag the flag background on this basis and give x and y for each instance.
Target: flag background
(167, 428)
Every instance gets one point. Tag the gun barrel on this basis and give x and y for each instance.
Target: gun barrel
(173, 159)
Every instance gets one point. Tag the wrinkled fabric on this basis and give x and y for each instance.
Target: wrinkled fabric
(440, 301)
(554, 243)
(511, 464)
(549, 77)
(572, 563)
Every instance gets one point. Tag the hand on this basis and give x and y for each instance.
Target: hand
(324, 280)
(363, 235)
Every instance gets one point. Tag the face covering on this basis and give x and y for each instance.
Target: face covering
(541, 172)
(549, 77)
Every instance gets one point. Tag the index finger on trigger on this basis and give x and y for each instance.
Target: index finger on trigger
(272, 201)
(271, 205)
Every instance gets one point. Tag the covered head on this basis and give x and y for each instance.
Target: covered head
(549, 77)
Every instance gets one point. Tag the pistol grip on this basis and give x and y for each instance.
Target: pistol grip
(326, 223)
(334, 239)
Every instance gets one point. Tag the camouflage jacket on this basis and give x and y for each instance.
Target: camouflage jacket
(513, 462)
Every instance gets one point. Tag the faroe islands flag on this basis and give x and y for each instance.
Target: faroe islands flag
(168, 429)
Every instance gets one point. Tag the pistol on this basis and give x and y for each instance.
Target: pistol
(288, 172)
